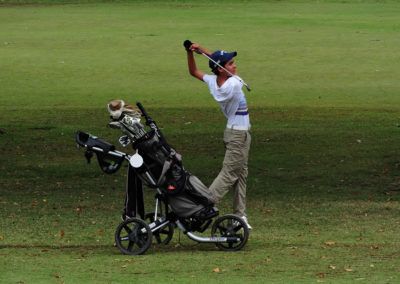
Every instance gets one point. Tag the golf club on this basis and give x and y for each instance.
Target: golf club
(187, 43)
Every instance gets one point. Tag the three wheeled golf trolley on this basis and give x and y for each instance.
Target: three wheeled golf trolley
(181, 199)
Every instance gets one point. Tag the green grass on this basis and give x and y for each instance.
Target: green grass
(323, 189)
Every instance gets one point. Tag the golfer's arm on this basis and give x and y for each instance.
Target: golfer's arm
(193, 68)
(206, 52)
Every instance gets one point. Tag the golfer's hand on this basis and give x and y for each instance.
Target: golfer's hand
(195, 47)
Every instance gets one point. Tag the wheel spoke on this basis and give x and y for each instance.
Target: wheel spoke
(222, 229)
(127, 229)
(230, 225)
(139, 242)
(237, 228)
(130, 245)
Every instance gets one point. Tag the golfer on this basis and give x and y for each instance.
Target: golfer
(227, 91)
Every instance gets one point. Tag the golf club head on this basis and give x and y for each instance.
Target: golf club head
(114, 125)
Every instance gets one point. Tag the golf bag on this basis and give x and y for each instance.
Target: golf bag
(162, 168)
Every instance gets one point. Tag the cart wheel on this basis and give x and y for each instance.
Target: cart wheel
(230, 226)
(133, 236)
(164, 235)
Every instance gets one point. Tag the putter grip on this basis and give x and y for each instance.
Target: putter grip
(187, 43)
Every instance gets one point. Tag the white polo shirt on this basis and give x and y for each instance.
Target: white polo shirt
(231, 99)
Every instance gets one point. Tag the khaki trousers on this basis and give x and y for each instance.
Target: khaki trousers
(234, 170)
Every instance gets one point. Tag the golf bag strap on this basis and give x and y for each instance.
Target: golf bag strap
(134, 201)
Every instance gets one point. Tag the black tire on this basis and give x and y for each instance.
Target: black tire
(133, 236)
(230, 226)
(162, 236)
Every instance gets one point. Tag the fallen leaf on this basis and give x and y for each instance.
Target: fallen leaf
(348, 270)
(385, 171)
(44, 250)
(1, 237)
(79, 209)
(268, 259)
(34, 203)
(321, 281)
(62, 233)
(58, 182)
(372, 266)
(124, 266)
(316, 233)
(216, 269)
(331, 267)
(321, 275)
(100, 232)
(267, 211)
(374, 247)
(299, 235)
(330, 243)
(58, 276)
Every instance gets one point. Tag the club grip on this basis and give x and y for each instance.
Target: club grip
(187, 43)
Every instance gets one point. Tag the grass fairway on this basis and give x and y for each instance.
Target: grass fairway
(324, 182)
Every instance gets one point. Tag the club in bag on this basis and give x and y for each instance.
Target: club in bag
(187, 43)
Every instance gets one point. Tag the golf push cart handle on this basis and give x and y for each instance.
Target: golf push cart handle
(148, 118)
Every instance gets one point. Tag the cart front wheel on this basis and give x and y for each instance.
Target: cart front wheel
(133, 236)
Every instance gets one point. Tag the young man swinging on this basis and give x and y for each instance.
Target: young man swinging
(227, 91)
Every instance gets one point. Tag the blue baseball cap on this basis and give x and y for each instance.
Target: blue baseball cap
(221, 57)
